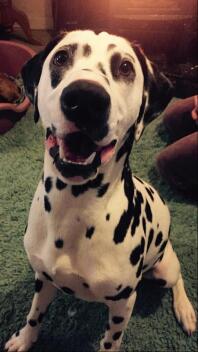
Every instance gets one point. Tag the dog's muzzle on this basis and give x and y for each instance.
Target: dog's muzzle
(79, 154)
(87, 104)
(76, 155)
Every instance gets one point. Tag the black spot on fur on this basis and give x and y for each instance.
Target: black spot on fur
(144, 225)
(47, 276)
(124, 294)
(67, 290)
(151, 190)
(60, 184)
(137, 212)
(96, 183)
(137, 251)
(163, 246)
(140, 268)
(107, 345)
(107, 217)
(148, 212)
(150, 193)
(117, 319)
(119, 288)
(86, 50)
(125, 219)
(145, 267)
(48, 184)
(163, 201)
(139, 179)
(47, 204)
(103, 189)
(40, 318)
(126, 147)
(48, 132)
(90, 232)
(32, 323)
(142, 245)
(117, 335)
(59, 243)
(38, 285)
(85, 285)
(150, 238)
(160, 258)
(158, 239)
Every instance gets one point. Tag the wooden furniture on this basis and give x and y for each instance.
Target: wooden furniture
(164, 24)
(9, 15)
(77, 14)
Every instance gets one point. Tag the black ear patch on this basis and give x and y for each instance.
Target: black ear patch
(157, 93)
(31, 72)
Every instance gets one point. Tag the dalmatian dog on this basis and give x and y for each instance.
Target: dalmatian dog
(94, 229)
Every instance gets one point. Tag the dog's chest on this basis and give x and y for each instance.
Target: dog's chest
(74, 244)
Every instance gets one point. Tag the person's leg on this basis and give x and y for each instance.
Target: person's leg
(178, 164)
(178, 118)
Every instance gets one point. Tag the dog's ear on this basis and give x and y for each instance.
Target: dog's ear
(157, 92)
(31, 72)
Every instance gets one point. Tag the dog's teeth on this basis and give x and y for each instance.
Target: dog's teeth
(86, 162)
(90, 158)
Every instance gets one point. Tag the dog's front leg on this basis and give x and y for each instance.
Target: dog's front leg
(22, 340)
(119, 315)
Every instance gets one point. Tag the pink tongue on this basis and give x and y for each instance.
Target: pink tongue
(50, 142)
(107, 153)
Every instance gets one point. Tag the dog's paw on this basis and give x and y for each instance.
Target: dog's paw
(185, 315)
(22, 340)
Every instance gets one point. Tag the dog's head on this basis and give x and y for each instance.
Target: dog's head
(90, 90)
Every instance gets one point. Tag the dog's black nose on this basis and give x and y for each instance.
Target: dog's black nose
(87, 105)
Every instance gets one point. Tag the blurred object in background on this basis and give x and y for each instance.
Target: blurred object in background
(12, 58)
(166, 26)
(9, 15)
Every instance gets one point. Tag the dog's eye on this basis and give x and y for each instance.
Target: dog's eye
(126, 68)
(60, 58)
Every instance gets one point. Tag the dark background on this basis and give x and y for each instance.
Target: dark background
(166, 29)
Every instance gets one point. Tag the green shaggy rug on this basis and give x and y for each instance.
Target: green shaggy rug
(73, 325)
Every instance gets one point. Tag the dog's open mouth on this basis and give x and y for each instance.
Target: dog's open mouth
(76, 154)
